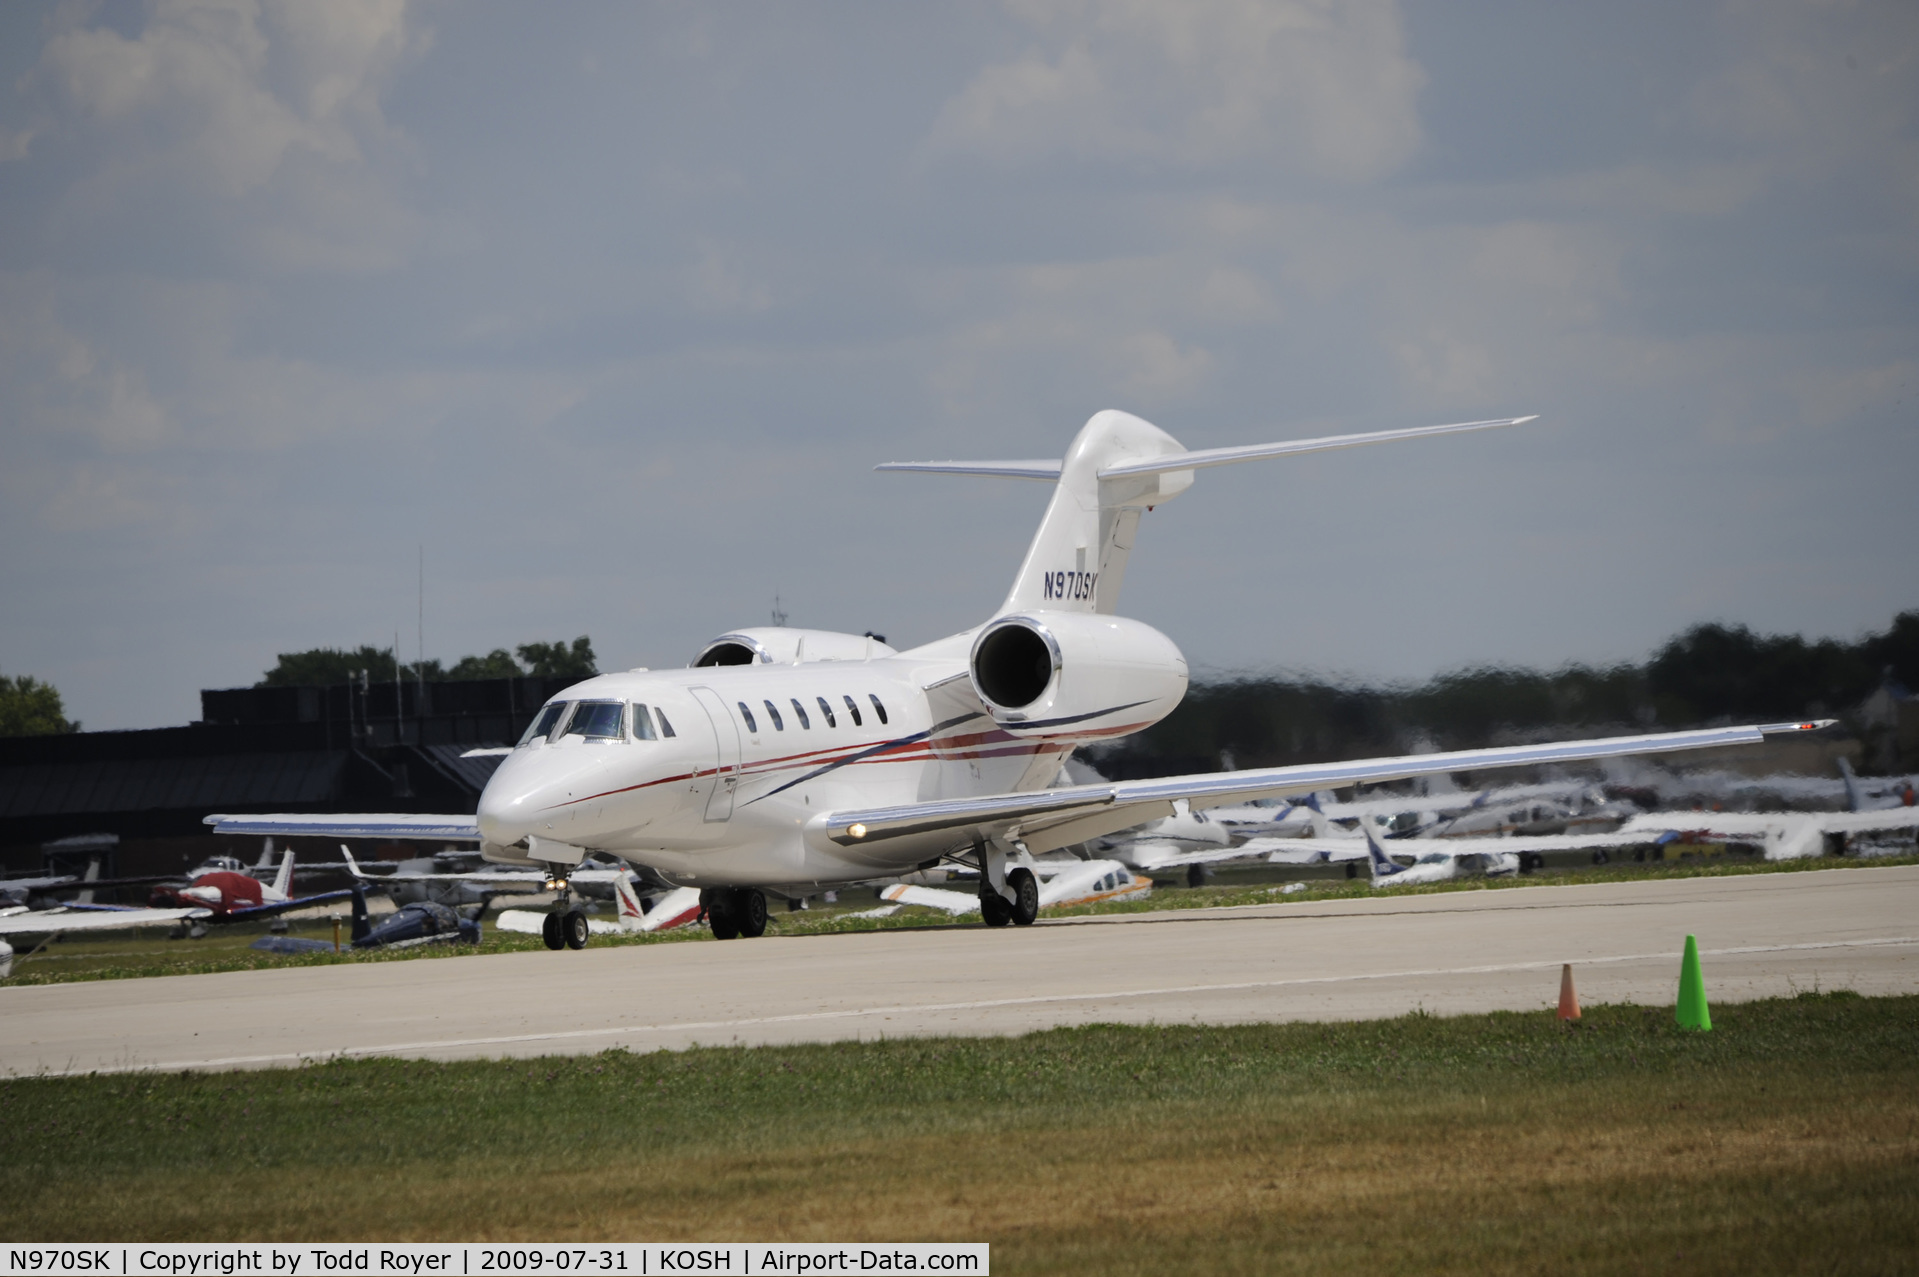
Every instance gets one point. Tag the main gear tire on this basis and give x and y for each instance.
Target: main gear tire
(1025, 905)
(994, 908)
(720, 918)
(749, 906)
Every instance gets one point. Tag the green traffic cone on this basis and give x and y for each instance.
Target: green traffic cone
(1692, 1012)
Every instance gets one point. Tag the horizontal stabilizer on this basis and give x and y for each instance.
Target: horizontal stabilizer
(1047, 470)
(1205, 457)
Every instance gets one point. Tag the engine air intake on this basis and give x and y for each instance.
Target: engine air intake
(727, 653)
(1013, 666)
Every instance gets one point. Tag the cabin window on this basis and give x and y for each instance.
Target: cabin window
(642, 723)
(747, 714)
(799, 712)
(773, 712)
(877, 707)
(666, 726)
(826, 712)
(544, 723)
(1106, 883)
(598, 720)
(853, 708)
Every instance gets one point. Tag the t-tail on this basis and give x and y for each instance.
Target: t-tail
(1118, 467)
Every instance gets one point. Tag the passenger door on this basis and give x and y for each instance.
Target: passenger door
(726, 741)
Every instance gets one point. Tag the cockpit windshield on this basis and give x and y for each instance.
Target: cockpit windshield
(598, 720)
(543, 722)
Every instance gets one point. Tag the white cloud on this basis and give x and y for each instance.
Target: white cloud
(1323, 88)
(265, 113)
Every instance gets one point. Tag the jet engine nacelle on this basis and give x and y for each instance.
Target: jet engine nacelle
(778, 645)
(1049, 673)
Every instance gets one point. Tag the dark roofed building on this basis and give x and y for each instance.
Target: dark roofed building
(383, 747)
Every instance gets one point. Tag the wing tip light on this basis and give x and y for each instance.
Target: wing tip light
(1798, 725)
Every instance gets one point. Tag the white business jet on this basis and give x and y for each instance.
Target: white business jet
(796, 760)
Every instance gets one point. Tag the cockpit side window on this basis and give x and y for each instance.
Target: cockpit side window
(747, 714)
(666, 724)
(799, 712)
(544, 722)
(853, 708)
(877, 707)
(773, 712)
(598, 720)
(642, 723)
(826, 711)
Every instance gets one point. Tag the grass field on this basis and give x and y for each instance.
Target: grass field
(1786, 1140)
(147, 953)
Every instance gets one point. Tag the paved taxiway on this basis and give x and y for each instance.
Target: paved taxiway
(1761, 936)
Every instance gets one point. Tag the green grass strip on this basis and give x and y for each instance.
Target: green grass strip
(1785, 1140)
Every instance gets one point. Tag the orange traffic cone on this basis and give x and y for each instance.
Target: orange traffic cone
(1568, 999)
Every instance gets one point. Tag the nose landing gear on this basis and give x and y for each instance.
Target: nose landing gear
(565, 927)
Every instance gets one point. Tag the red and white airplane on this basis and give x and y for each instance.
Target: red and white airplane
(792, 761)
(230, 896)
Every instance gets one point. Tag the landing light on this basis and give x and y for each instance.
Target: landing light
(856, 831)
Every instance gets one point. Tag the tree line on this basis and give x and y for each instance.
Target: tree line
(330, 666)
(1711, 673)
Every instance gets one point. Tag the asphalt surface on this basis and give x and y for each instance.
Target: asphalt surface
(1760, 936)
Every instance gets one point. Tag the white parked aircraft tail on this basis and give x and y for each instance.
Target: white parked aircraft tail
(1855, 801)
(1383, 865)
(283, 882)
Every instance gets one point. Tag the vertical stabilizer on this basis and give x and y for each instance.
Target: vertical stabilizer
(1855, 801)
(1384, 866)
(632, 913)
(284, 882)
(1078, 557)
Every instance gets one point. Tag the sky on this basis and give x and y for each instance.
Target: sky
(604, 313)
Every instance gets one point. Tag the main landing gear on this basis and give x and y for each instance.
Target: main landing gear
(734, 911)
(1021, 910)
(565, 927)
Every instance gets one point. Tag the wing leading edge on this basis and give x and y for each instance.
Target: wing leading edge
(400, 827)
(1051, 819)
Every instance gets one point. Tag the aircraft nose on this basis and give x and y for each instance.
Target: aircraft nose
(532, 794)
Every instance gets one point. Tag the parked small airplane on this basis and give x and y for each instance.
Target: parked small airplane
(422, 880)
(229, 896)
(1435, 866)
(1066, 883)
(677, 908)
(1878, 793)
(795, 760)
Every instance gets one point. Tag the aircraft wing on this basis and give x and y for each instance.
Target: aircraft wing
(1149, 856)
(41, 921)
(1737, 824)
(1305, 851)
(400, 826)
(286, 906)
(1046, 820)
